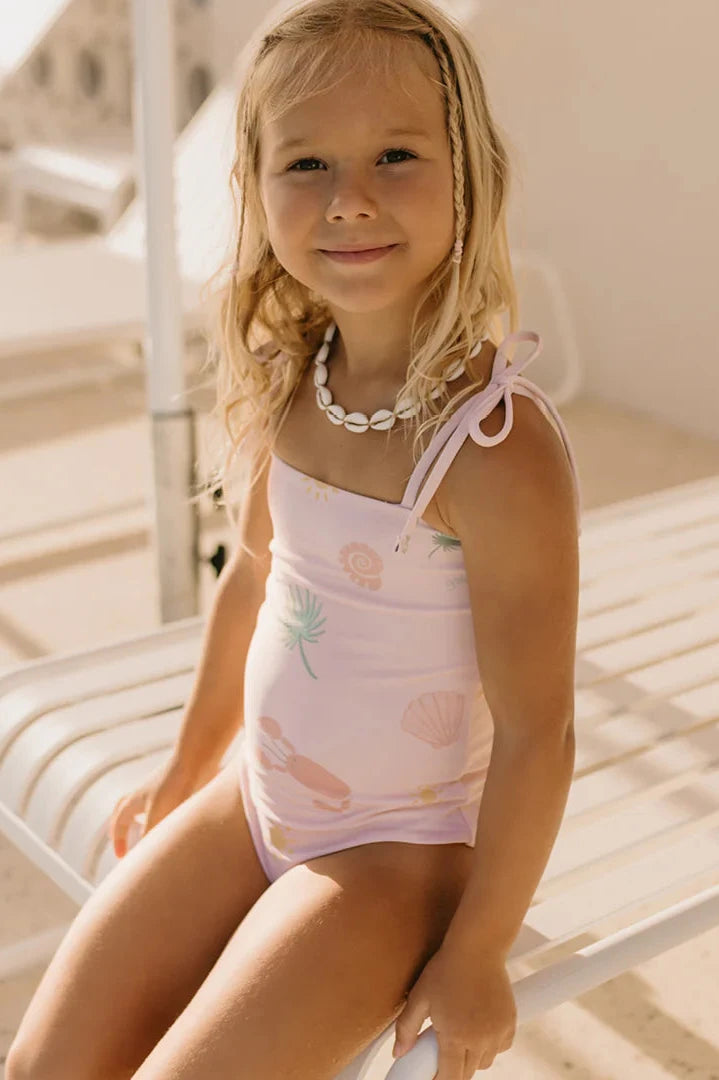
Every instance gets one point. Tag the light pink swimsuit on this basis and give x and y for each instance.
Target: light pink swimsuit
(364, 714)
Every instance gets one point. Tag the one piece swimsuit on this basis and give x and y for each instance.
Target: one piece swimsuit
(364, 714)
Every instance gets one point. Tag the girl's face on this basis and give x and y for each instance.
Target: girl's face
(371, 166)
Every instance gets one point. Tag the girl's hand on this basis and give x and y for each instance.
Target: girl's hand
(140, 810)
(468, 998)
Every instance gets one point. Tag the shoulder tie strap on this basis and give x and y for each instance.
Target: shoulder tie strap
(466, 421)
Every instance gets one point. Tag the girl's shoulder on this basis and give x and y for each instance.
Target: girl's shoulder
(529, 458)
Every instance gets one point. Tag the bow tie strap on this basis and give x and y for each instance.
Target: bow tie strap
(467, 420)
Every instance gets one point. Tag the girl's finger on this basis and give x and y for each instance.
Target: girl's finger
(114, 816)
(119, 839)
(119, 827)
(486, 1060)
(471, 1065)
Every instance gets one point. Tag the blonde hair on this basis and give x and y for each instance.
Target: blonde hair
(267, 325)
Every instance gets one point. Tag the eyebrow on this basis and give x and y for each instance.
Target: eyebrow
(301, 140)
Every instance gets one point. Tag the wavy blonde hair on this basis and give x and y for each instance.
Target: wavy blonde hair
(266, 324)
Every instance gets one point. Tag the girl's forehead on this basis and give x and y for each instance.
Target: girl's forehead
(405, 102)
(399, 72)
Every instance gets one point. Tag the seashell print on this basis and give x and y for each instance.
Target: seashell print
(363, 564)
(435, 717)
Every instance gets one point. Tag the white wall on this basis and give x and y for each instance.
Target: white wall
(611, 108)
(234, 21)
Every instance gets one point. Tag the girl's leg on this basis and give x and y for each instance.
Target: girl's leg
(142, 944)
(319, 967)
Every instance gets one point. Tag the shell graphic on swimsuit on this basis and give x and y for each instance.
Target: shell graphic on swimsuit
(363, 564)
(277, 752)
(302, 621)
(435, 717)
(443, 542)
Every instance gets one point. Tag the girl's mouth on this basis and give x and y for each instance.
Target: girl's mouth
(359, 256)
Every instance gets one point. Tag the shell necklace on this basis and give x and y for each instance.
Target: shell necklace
(383, 419)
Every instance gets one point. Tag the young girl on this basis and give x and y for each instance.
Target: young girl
(399, 626)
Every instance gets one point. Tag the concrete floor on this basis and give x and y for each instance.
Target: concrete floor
(77, 569)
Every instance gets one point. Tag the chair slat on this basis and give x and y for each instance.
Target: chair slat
(677, 636)
(84, 828)
(662, 768)
(628, 583)
(136, 662)
(644, 515)
(645, 612)
(40, 742)
(70, 771)
(593, 846)
(580, 909)
(689, 538)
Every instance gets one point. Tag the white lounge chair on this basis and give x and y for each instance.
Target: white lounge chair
(96, 175)
(635, 869)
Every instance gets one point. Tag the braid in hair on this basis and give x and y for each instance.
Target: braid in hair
(455, 126)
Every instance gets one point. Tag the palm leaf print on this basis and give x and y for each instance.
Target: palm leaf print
(303, 621)
(443, 543)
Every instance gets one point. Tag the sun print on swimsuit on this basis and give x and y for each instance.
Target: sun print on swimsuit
(318, 488)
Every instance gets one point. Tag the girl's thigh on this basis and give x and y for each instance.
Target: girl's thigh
(142, 944)
(319, 967)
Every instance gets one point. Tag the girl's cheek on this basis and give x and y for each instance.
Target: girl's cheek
(411, 192)
(292, 203)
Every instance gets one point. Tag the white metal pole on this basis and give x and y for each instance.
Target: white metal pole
(172, 423)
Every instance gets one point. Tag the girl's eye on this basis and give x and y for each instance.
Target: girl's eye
(398, 150)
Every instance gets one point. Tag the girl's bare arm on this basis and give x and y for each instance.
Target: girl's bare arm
(214, 711)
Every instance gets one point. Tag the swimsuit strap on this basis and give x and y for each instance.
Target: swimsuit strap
(466, 420)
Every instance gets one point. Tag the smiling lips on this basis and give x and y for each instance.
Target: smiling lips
(362, 255)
